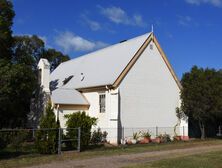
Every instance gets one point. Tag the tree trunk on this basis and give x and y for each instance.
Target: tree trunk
(202, 130)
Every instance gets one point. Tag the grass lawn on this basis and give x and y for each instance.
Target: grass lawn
(34, 159)
(207, 160)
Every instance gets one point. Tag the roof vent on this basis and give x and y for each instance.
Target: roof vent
(82, 77)
(151, 46)
(122, 41)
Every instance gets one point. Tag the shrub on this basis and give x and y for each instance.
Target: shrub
(13, 138)
(164, 138)
(47, 140)
(3, 140)
(98, 136)
(17, 139)
(82, 121)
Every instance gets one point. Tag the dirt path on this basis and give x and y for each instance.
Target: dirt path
(124, 160)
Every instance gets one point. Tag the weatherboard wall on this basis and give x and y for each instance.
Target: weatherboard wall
(107, 121)
(149, 93)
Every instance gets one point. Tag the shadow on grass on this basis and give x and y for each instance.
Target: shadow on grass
(11, 152)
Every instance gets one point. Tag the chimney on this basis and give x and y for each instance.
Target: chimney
(44, 71)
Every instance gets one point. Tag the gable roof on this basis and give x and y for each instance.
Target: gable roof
(98, 68)
(105, 67)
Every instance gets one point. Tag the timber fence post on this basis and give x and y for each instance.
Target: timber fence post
(79, 140)
(156, 131)
(59, 141)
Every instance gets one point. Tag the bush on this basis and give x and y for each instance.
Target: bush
(3, 140)
(164, 138)
(13, 138)
(82, 121)
(47, 140)
(98, 136)
(17, 139)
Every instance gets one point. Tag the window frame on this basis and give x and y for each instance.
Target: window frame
(102, 105)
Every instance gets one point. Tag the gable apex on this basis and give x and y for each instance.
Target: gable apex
(139, 53)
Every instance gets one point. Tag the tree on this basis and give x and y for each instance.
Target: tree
(16, 86)
(202, 96)
(47, 138)
(30, 49)
(6, 21)
(18, 78)
(19, 56)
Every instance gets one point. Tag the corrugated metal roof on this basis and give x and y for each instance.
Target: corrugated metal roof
(68, 96)
(98, 68)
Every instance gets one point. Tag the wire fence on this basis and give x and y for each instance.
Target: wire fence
(124, 134)
(32, 141)
(56, 140)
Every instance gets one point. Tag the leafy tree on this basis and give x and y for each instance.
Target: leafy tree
(19, 56)
(202, 96)
(85, 122)
(30, 49)
(16, 86)
(6, 21)
(47, 140)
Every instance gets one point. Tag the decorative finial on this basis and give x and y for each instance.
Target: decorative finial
(152, 28)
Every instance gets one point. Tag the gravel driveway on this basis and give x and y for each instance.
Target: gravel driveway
(117, 161)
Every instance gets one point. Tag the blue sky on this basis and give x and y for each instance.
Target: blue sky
(189, 31)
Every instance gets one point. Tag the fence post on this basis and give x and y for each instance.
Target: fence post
(79, 139)
(123, 138)
(33, 133)
(219, 130)
(183, 132)
(156, 131)
(59, 141)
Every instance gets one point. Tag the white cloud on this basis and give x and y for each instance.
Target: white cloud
(187, 21)
(217, 3)
(115, 14)
(139, 20)
(68, 41)
(93, 25)
(184, 20)
(119, 16)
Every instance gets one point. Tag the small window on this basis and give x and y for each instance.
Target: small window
(102, 103)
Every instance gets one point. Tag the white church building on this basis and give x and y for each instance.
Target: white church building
(126, 85)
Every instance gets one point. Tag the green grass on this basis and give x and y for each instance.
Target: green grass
(207, 160)
(34, 159)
